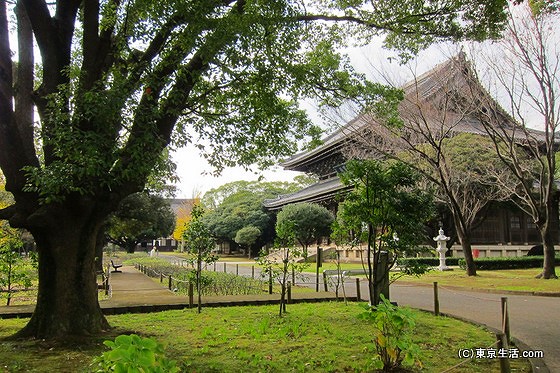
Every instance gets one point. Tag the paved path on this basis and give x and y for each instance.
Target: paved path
(533, 319)
(131, 289)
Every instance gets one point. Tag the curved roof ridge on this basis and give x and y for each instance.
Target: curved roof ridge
(341, 134)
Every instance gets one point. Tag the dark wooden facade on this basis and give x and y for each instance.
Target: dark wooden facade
(506, 224)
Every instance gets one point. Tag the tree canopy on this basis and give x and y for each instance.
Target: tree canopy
(140, 217)
(387, 210)
(303, 222)
(247, 236)
(239, 205)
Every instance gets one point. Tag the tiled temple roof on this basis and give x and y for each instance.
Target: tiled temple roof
(324, 189)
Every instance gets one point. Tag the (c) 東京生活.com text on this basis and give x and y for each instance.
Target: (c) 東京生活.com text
(498, 353)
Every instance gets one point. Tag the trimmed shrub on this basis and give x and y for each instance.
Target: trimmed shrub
(488, 263)
(515, 262)
(432, 261)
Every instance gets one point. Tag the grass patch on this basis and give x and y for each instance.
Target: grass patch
(499, 280)
(325, 337)
(332, 266)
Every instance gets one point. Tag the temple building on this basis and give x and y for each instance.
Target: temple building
(505, 230)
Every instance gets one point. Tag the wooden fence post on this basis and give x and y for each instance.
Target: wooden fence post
(325, 281)
(358, 290)
(107, 276)
(170, 283)
(270, 281)
(253, 272)
(505, 319)
(225, 267)
(436, 299)
(191, 294)
(289, 292)
(319, 263)
(237, 269)
(503, 345)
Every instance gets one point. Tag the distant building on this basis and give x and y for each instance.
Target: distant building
(182, 208)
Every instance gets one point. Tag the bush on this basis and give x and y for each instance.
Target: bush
(131, 353)
(220, 283)
(432, 261)
(489, 263)
(393, 330)
(516, 262)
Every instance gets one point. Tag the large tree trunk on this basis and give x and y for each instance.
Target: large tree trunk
(131, 247)
(467, 252)
(549, 270)
(67, 300)
(464, 239)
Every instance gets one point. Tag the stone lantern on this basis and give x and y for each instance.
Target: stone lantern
(441, 248)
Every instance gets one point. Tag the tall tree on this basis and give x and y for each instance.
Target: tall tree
(525, 70)
(427, 129)
(387, 211)
(248, 236)
(200, 244)
(140, 217)
(183, 218)
(259, 189)
(119, 78)
(304, 222)
(239, 204)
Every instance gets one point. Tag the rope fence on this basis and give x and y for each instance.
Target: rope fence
(178, 281)
(503, 338)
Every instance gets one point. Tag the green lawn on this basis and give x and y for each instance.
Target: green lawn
(502, 280)
(498, 280)
(325, 337)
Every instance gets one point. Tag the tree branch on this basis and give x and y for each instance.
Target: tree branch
(369, 24)
(24, 86)
(7, 212)
(41, 21)
(176, 101)
(12, 155)
(91, 42)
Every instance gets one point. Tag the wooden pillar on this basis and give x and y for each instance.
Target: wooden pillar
(289, 291)
(436, 299)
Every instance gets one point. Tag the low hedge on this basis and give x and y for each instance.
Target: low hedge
(488, 263)
(432, 261)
